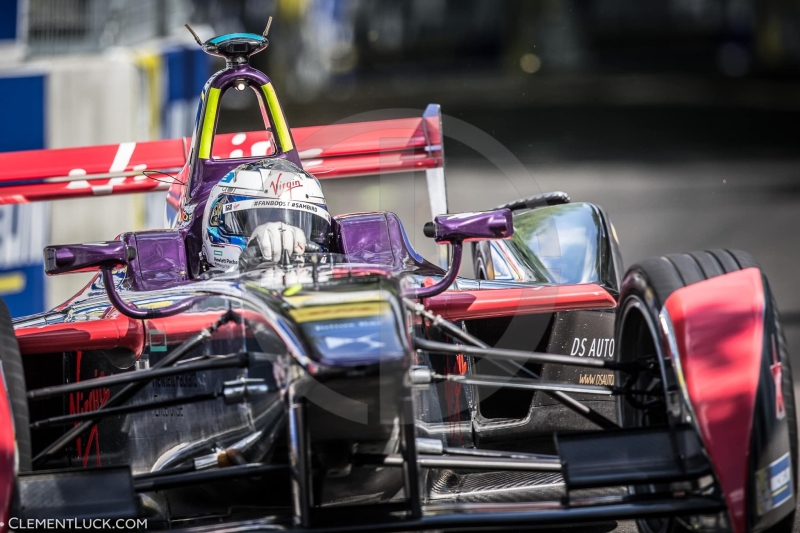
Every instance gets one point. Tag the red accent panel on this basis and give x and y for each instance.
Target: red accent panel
(103, 334)
(488, 303)
(719, 332)
(7, 455)
(178, 328)
(357, 138)
(119, 331)
(365, 165)
(37, 192)
(39, 164)
(360, 138)
(316, 141)
(335, 151)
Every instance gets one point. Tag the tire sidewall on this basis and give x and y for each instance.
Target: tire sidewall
(638, 295)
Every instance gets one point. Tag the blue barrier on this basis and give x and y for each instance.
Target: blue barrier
(23, 228)
(8, 19)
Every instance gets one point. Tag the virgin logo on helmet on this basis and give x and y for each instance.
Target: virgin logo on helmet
(278, 188)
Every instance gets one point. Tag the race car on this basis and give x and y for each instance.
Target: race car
(355, 386)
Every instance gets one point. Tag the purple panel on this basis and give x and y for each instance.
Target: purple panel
(464, 227)
(64, 258)
(379, 239)
(365, 239)
(160, 259)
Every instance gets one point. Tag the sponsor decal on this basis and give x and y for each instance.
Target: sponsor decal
(371, 337)
(226, 254)
(596, 379)
(282, 185)
(774, 485)
(777, 377)
(335, 312)
(597, 347)
(171, 411)
(179, 381)
(158, 340)
(365, 342)
(80, 403)
(278, 204)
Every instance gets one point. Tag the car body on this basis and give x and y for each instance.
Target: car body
(369, 388)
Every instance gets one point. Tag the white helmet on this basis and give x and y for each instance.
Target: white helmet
(255, 201)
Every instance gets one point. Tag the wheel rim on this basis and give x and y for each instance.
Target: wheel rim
(637, 341)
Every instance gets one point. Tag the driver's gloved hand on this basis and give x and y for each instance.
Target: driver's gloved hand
(273, 238)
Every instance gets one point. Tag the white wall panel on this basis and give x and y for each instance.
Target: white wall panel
(92, 100)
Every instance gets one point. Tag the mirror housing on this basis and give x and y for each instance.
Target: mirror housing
(87, 257)
(458, 229)
(465, 227)
(105, 256)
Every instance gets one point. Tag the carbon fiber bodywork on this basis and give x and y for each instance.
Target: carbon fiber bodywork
(450, 486)
(558, 243)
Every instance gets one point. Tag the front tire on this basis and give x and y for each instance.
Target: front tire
(14, 377)
(645, 288)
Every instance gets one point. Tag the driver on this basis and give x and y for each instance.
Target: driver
(267, 211)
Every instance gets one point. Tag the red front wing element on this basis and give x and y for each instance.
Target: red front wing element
(336, 151)
(719, 331)
(489, 303)
(117, 330)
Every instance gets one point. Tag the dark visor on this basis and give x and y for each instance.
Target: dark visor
(246, 221)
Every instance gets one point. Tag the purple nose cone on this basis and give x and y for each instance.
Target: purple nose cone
(464, 227)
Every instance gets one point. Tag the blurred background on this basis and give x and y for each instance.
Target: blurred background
(680, 117)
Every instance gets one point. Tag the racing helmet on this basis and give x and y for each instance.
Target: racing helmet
(271, 190)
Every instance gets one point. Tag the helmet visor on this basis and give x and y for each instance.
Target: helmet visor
(243, 217)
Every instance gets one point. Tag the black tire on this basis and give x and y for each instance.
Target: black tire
(645, 288)
(14, 376)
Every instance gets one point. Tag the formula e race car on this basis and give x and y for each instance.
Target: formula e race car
(359, 387)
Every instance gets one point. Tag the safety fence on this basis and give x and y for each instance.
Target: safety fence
(57, 27)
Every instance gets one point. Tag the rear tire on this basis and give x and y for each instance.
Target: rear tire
(645, 288)
(14, 376)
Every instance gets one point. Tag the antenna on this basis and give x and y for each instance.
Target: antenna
(266, 30)
(196, 38)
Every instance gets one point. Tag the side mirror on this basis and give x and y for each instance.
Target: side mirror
(458, 229)
(104, 256)
(465, 227)
(87, 257)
